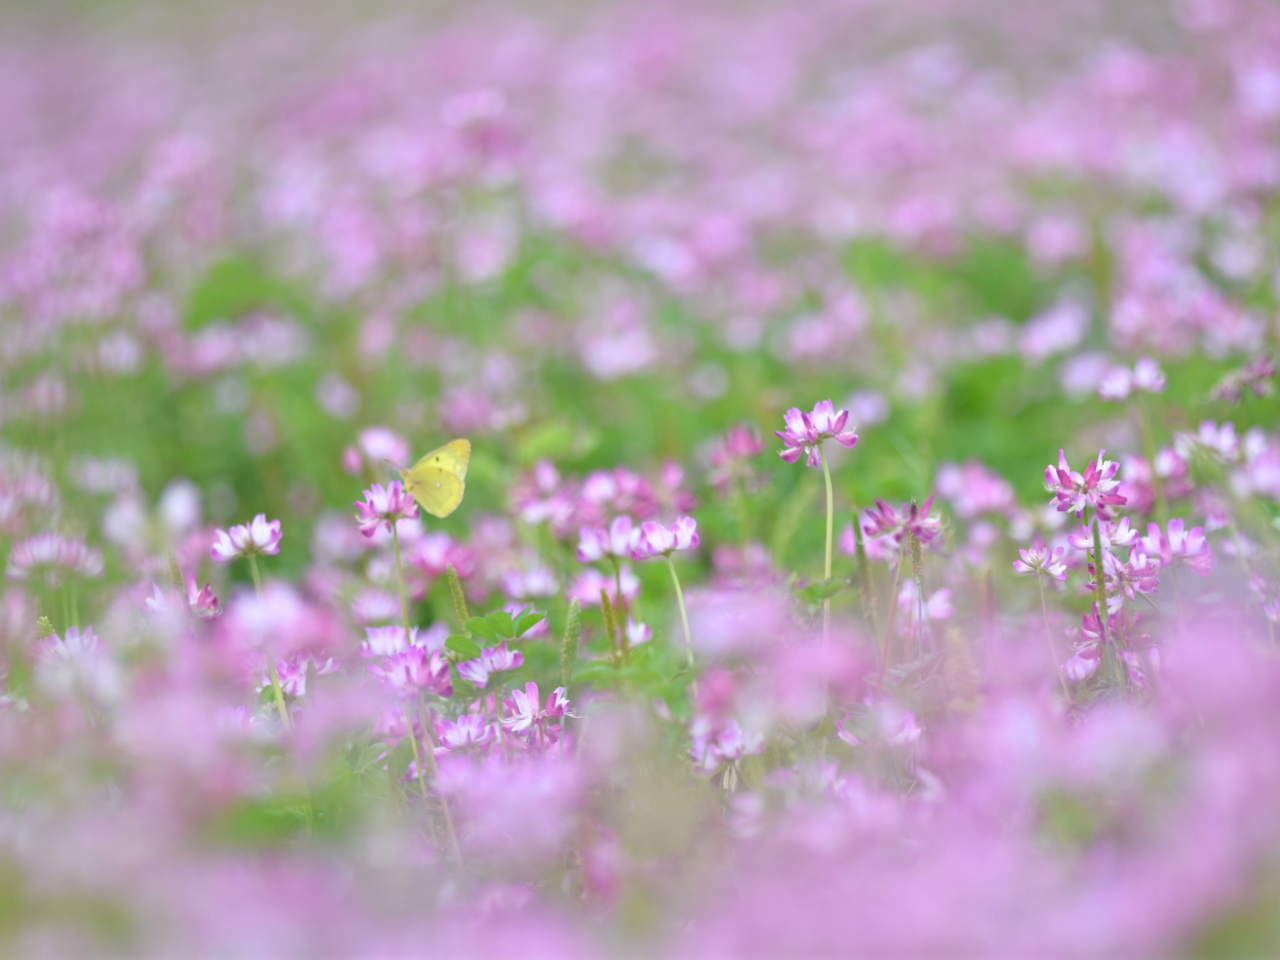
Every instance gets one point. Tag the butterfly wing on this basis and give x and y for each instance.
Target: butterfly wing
(438, 480)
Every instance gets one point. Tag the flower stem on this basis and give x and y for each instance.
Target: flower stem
(1048, 637)
(826, 570)
(404, 607)
(893, 612)
(684, 614)
(276, 689)
(1100, 593)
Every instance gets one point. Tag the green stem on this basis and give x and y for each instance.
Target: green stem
(1100, 595)
(826, 604)
(404, 607)
(276, 690)
(684, 614)
(444, 802)
(893, 612)
(417, 755)
(1048, 636)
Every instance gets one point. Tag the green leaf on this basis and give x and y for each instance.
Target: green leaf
(479, 627)
(464, 647)
(815, 593)
(527, 622)
(500, 623)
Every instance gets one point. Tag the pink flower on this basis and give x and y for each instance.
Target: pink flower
(50, 556)
(244, 540)
(491, 661)
(1217, 442)
(469, 730)
(526, 708)
(974, 489)
(655, 540)
(384, 507)
(376, 445)
(1189, 546)
(805, 432)
(936, 607)
(1041, 562)
(883, 521)
(1116, 384)
(596, 543)
(1111, 535)
(638, 633)
(1096, 487)
(202, 602)
(730, 455)
(1083, 664)
(558, 704)
(1148, 376)
(587, 585)
(413, 669)
(387, 641)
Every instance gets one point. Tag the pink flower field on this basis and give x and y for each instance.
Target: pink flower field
(634, 479)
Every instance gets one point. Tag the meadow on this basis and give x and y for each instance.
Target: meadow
(641, 480)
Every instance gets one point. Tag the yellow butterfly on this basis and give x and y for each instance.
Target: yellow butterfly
(438, 480)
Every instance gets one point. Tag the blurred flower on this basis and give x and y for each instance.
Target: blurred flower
(974, 489)
(883, 522)
(1255, 376)
(595, 543)
(492, 660)
(1181, 545)
(469, 730)
(50, 557)
(1083, 664)
(638, 633)
(245, 540)
(1216, 442)
(586, 586)
(1042, 562)
(376, 447)
(656, 540)
(731, 455)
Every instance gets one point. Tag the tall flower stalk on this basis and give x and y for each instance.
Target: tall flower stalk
(805, 433)
(248, 540)
(385, 508)
(655, 540)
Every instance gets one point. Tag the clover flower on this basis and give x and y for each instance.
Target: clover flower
(587, 585)
(1042, 562)
(638, 633)
(731, 453)
(1083, 664)
(415, 669)
(805, 432)
(1181, 545)
(615, 543)
(1075, 492)
(884, 522)
(51, 556)
(259, 536)
(469, 730)
(492, 660)
(384, 506)
(1119, 382)
(1217, 442)
(655, 540)
(200, 601)
(526, 712)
